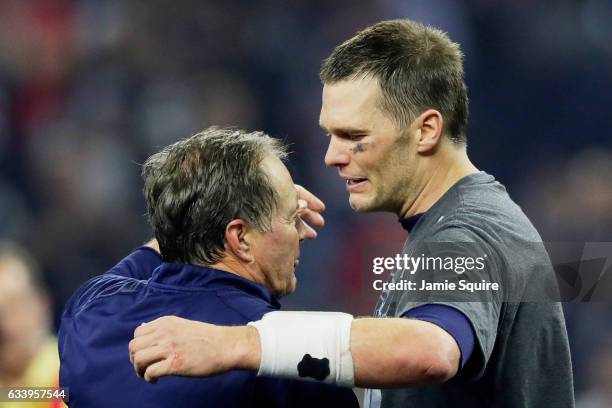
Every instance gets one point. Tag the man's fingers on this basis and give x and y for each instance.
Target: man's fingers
(158, 324)
(313, 201)
(312, 217)
(144, 358)
(156, 370)
(140, 343)
(144, 329)
(304, 218)
(311, 233)
(310, 208)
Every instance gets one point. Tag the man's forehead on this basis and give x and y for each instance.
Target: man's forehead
(288, 200)
(349, 104)
(281, 180)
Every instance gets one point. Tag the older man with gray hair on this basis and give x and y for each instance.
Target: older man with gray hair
(227, 218)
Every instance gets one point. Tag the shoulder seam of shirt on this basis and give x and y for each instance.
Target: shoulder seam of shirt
(237, 310)
(81, 307)
(178, 288)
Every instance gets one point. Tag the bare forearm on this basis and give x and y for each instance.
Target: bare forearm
(247, 348)
(386, 353)
(401, 352)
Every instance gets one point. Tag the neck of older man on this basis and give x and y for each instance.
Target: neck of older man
(437, 173)
(232, 265)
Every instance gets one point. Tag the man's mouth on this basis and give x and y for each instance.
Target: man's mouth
(355, 184)
(355, 181)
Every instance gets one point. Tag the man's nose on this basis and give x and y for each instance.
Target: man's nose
(337, 154)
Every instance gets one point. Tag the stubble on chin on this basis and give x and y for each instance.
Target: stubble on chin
(362, 206)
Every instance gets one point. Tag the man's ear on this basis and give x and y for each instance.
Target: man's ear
(429, 128)
(237, 240)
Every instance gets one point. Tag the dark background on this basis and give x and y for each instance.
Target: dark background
(89, 89)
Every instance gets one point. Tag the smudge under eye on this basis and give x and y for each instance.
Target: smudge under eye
(359, 148)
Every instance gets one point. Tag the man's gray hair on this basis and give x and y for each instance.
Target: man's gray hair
(195, 187)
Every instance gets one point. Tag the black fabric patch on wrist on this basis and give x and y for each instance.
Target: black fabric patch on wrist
(317, 368)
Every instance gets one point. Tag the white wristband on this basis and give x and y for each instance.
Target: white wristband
(311, 346)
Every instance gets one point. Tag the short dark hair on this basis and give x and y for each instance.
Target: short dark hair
(195, 187)
(418, 67)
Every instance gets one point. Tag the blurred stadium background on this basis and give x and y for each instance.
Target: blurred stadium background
(90, 88)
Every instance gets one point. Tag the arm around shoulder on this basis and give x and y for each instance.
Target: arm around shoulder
(386, 353)
(398, 352)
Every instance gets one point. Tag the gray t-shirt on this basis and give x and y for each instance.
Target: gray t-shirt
(521, 354)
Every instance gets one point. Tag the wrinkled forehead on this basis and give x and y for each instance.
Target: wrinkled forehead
(350, 103)
(281, 181)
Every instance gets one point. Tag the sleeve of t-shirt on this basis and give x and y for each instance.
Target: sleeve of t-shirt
(140, 264)
(451, 320)
(482, 309)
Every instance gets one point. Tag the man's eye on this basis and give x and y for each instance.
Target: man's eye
(355, 138)
(294, 219)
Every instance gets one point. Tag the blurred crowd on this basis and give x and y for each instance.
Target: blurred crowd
(90, 88)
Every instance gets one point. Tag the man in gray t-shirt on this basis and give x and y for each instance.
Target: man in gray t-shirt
(506, 366)
(395, 112)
